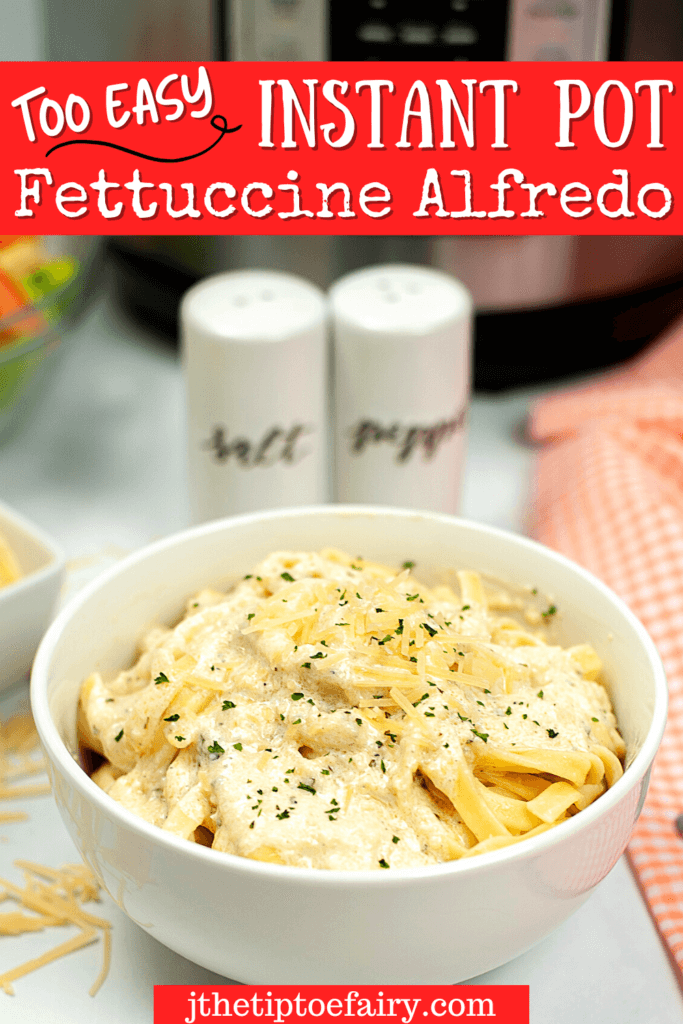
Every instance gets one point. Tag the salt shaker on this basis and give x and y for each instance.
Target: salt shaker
(401, 340)
(255, 363)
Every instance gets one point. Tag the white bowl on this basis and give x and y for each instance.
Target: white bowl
(26, 607)
(268, 924)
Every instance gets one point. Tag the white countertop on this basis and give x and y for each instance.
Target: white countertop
(100, 467)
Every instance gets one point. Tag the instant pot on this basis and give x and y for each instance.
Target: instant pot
(569, 303)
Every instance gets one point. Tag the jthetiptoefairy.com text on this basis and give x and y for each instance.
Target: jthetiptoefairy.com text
(402, 1004)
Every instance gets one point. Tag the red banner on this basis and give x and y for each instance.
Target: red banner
(341, 148)
(327, 1004)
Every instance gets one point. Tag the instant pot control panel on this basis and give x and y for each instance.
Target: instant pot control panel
(429, 30)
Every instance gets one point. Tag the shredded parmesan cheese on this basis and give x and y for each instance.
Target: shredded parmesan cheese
(54, 903)
(53, 897)
(18, 745)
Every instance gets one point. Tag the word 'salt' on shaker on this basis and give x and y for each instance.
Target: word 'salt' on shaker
(255, 362)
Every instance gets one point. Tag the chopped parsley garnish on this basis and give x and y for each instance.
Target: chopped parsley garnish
(297, 696)
(359, 721)
(297, 721)
(228, 704)
(540, 694)
(408, 565)
(413, 658)
(482, 703)
(286, 576)
(386, 640)
(356, 567)
(172, 718)
(215, 748)
(525, 716)
(249, 576)
(399, 631)
(305, 664)
(508, 711)
(237, 746)
(383, 767)
(412, 597)
(552, 733)
(161, 678)
(180, 739)
(391, 735)
(463, 718)
(250, 616)
(358, 596)
(309, 789)
(289, 771)
(318, 655)
(395, 839)
(482, 735)
(117, 738)
(595, 719)
(285, 814)
(383, 863)
(379, 609)
(325, 771)
(465, 608)
(430, 629)
(550, 611)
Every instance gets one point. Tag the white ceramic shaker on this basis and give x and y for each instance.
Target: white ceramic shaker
(255, 362)
(401, 339)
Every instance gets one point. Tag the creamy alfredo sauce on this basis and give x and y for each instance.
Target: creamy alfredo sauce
(266, 717)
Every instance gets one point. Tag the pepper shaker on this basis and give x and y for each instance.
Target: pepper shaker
(401, 340)
(254, 348)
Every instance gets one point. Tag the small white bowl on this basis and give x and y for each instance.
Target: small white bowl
(27, 606)
(268, 924)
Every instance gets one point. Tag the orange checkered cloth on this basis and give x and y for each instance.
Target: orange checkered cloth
(609, 494)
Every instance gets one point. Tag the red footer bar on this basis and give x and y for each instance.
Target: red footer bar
(390, 1004)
